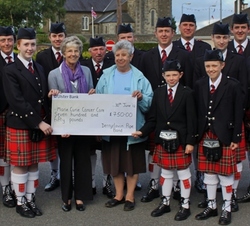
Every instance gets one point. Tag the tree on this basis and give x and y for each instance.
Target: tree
(30, 13)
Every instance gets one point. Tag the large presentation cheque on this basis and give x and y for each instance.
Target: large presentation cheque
(96, 114)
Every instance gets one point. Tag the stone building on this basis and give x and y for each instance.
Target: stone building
(142, 14)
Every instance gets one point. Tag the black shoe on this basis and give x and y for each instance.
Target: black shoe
(205, 214)
(107, 190)
(138, 186)
(94, 191)
(25, 211)
(114, 202)
(204, 203)
(52, 185)
(161, 209)
(80, 207)
(177, 193)
(182, 214)
(128, 206)
(244, 198)
(225, 218)
(66, 207)
(33, 206)
(199, 184)
(151, 194)
(9, 199)
(234, 204)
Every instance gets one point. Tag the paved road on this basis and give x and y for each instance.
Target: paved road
(97, 214)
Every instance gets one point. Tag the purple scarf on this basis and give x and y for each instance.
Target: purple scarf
(68, 76)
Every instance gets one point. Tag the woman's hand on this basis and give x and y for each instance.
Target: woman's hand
(137, 134)
(65, 135)
(189, 149)
(91, 91)
(45, 127)
(137, 94)
(53, 92)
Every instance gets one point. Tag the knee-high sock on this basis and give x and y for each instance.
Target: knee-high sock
(4, 174)
(211, 180)
(32, 184)
(226, 187)
(237, 177)
(155, 171)
(167, 183)
(54, 166)
(185, 182)
(93, 159)
(19, 183)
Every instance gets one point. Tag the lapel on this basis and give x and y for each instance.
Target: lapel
(228, 62)
(156, 60)
(42, 78)
(177, 99)
(26, 74)
(220, 91)
(205, 91)
(166, 109)
(51, 60)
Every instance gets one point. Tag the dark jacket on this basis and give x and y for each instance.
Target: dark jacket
(180, 117)
(152, 66)
(24, 95)
(225, 116)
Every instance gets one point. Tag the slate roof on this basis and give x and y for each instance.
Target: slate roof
(85, 5)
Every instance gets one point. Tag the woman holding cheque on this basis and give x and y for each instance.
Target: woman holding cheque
(71, 77)
(122, 154)
(173, 118)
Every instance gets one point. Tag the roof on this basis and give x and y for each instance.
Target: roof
(111, 17)
(227, 20)
(86, 5)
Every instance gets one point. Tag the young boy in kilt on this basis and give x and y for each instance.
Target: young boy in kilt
(26, 91)
(172, 112)
(220, 110)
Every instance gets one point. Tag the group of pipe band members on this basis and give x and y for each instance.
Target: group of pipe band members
(236, 50)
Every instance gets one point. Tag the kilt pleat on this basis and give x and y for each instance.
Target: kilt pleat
(178, 160)
(225, 166)
(21, 151)
(241, 150)
(2, 134)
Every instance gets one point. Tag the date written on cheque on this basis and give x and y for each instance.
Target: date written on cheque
(121, 114)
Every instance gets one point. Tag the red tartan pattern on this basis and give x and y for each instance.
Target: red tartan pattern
(225, 166)
(241, 150)
(20, 151)
(2, 133)
(178, 160)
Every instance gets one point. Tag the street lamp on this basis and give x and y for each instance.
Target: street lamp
(211, 6)
(186, 3)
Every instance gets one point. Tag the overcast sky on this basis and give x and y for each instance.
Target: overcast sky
(202, 8)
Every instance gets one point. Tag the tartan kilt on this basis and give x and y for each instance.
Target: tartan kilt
(2, 133)
(225, 166)
(178, 160)
(241, 150)
(21, 151)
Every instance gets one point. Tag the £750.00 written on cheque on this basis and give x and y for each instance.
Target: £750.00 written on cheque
(97, 114)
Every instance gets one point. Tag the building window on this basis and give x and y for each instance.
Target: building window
(85, 23)
(152, 17)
